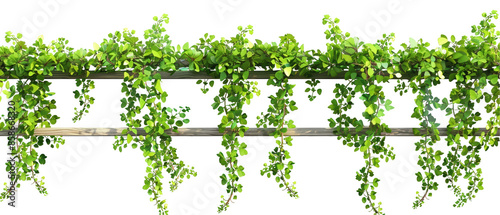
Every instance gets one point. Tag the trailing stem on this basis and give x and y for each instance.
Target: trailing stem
(281, 105)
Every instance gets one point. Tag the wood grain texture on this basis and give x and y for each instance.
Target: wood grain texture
(215, 132)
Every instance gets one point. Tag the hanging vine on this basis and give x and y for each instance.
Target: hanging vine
(142, 88)
(364, 72)
(84, 99)
(430, 67)
(232, 65)
(284, 58)
(470, 80)
(32, 103)
(462, 61)
(428, 157)
(473, 63)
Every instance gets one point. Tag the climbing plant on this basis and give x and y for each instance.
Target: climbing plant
(472, 63)
(229, 60)
(142, 88)
(364, 63)
(287, 57)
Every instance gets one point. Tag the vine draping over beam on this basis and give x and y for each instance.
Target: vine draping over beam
(472, 62)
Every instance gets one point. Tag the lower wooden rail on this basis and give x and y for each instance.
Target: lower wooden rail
(215, 132)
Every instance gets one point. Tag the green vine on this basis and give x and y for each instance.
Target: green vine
(286, 57)
(230, 60)
(452, 61)
(471, 62)
(142, 88)
(430, 66)
(428, 158)
(467, 92)
(33, 106)
(364, 69)
(313, 83)
(280, 107)
(84, 99)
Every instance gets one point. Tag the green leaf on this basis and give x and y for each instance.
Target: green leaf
(388, 105)
(223, 76)
(438, 155)
(279, 75)
(370, 72)
(416, 131)
(157, 54)
(493, 79)
(141, 102)
(245, 75)
(158, 86)
(96, 46)
(243, 151)
(29, 160)
(129, 138)
(442, 40)
(464, 151)
(413, 43)
(473, 95)
(367, 143)
(370, 110)
(34, 88)
(179, 123)
(347, 58)
(363, 148)
(288, 71)
(185, 46)
(457, 137)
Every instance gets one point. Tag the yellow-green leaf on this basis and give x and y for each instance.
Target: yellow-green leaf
(142, 102)
(347, 58)
(157, 54)
(442, 41)
(129, 138)
(288, 71)
(473, 95)
(158, 86)
(370, 110)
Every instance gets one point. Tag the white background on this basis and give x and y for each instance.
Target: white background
(86, 176)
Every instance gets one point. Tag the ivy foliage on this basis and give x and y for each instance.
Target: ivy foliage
(288, 56)
(230, 62)
(143, 101)
(472, 63)
(366, 62)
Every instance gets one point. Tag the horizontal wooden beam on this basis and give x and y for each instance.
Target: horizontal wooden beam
(215, 132)
(186, 75)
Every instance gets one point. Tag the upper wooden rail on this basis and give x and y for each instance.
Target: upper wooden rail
(215, 132)
(259, 74)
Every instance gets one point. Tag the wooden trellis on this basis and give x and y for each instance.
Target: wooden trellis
(212, 131)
